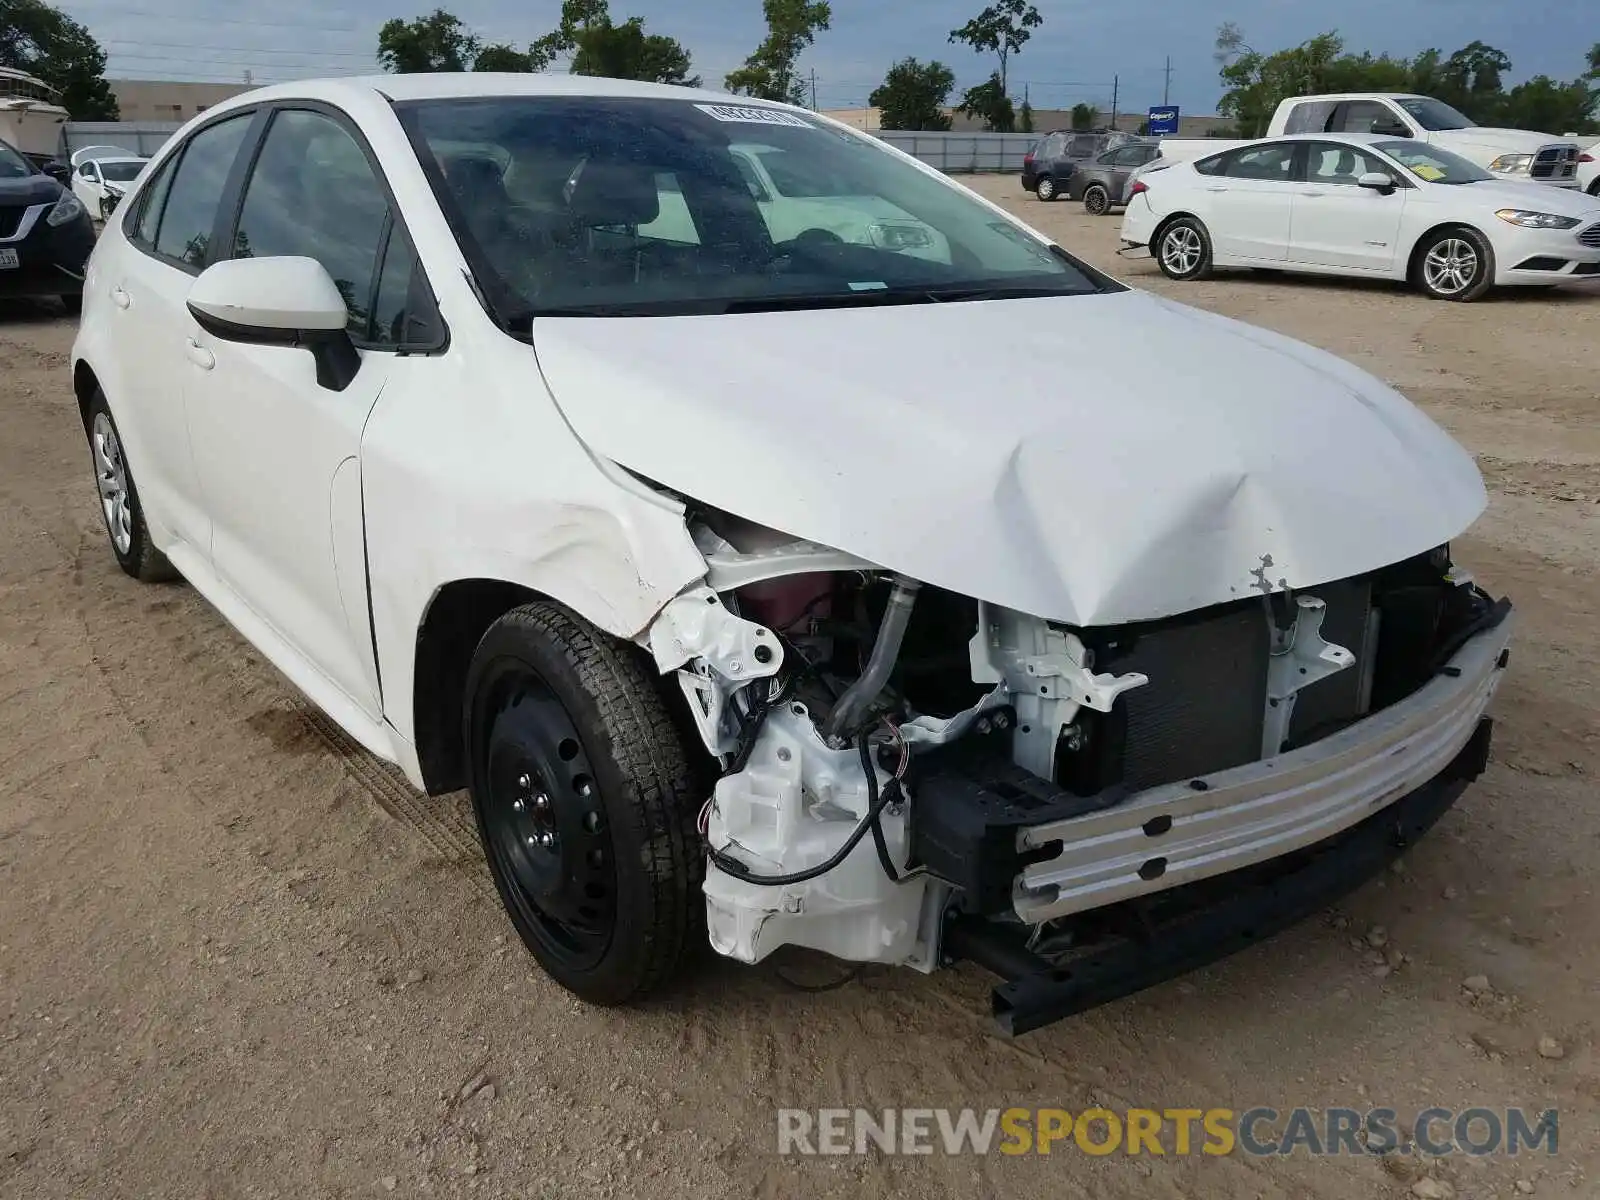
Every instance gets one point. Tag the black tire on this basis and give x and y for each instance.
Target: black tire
(1594, 188)
(586, 802)
(72, 303)
(1096, 200)
(1455, 264)
(125, 524)
(1183, 250)
(1045, 189)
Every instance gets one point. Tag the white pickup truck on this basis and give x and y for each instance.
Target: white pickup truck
(1514, 154)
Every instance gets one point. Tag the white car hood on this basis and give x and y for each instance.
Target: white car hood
(1496, 141)
(1090, 459)
(1521, 193)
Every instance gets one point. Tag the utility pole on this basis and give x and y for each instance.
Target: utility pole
(1115, 89)
(1166, 88)
(813, 89)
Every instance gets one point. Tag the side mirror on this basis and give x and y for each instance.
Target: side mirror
(1377, 181)
(1389, 127)
(60, 172)
(280, 301)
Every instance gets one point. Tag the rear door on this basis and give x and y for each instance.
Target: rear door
(1336, 222)
(168, 242)
(1250, 201)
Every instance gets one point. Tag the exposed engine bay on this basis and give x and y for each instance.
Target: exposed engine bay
(890, 752)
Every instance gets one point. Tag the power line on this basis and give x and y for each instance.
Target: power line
(229, 49)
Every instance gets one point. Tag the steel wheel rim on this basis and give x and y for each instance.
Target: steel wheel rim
(111, 476)
(1181, 250)
(1450, 266)
(545, 825)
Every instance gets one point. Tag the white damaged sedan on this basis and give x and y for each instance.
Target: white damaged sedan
(721, 572)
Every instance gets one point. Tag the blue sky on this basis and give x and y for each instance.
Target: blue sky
(1073, 57)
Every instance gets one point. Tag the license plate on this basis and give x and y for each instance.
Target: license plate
(8, 260)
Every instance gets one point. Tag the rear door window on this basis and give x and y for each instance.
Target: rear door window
(188, 213)
(1273, 163)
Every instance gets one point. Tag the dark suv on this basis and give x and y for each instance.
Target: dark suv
(1053, 159)
(45, 233)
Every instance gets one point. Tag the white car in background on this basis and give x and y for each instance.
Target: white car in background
(1363, 205)
(102, 175)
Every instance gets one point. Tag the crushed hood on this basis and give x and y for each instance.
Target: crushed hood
(1089, 459)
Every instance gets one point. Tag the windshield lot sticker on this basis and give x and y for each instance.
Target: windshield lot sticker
(1429, 172)
(751, 116)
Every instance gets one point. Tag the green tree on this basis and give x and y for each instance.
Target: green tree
(1255, 83)
(912, 95)
(501, 57)
(43, 41)
(1003, 29)
(771, 72)
(626, 51)
(1083, 116)
(1025, 117)
(436, 42)
(989, 103)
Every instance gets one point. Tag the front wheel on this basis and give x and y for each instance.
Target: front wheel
(1183, 251)
(1455, 264)
(1097, 201)
(1045, 189)
(585, 802)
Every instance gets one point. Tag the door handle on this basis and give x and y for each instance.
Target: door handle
(120, 298)
(1317, 195)
(200, 356)
(1216, 189)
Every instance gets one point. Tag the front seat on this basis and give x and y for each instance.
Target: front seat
(610, 194)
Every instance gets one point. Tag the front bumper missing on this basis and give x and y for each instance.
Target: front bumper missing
(1188, 831)
(1190, 926)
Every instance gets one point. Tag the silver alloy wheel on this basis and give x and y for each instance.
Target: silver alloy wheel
(1450, 266)
(1045, 189)
(111, 473)
(1181, 249)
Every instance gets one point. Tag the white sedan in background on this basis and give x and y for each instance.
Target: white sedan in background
(1364, 205)
(100, 180)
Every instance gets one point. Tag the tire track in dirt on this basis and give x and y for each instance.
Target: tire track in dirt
(444, 822)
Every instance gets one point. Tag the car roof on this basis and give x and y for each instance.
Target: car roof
(467, 85)
(1357, 96)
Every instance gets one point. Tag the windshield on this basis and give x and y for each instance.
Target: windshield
(12, 164)
(607, 206)
(1434, 114)
(121, 172)
(1433, 164)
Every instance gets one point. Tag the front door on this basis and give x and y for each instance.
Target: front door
(277, 453)
(1338, 223)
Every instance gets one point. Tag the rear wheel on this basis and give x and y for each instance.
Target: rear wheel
(1183, 250)
(1045, 189)
(1455, 264)
(585, 802)
(1097, 200)
(119, 500)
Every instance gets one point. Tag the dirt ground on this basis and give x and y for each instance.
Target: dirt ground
(239, 958)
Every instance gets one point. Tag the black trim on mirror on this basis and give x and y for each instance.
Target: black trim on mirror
(335, 354)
